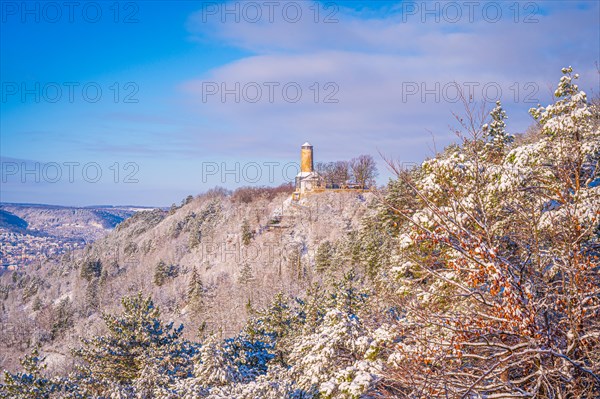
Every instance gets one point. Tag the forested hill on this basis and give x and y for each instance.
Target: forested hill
(241, 248)
(474, 275)
(12, 222)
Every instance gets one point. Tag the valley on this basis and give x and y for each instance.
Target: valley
(32, 233)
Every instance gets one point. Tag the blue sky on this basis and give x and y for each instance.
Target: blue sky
(351, 77)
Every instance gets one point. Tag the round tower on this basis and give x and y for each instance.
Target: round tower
(306, 158)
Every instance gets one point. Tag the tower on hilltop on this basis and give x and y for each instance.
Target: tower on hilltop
(307, 180)
(306, 158)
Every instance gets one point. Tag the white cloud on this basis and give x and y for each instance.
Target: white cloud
(374, 61)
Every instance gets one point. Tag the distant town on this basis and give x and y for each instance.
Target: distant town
(31, 234)
(20, 250)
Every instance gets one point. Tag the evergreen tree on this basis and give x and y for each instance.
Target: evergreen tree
(195, 291)
(275, 325)
(313, 307)
(339, 359)
(138, 344)
(164, 272)
(246, 274)
(213, 366)
(91, 294)
(31, 383)
(195, 236)
(37, 304)
(295, 263)
(247, 233)
(495, 132)
(323, 257)
(187, 200)
(347, 296)
(62, 318)
(91, 268)
(502, 252)
(250, 357)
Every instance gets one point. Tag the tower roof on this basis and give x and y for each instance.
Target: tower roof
(307, 144)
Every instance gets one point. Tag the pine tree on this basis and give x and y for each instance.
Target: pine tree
(91, 294)
(247, 233)
(495, 132)
(37, 304)
(505, 244)
(250, 357)
(62, 318)
(275, 325)
(337, 360)
(203, 223)
(138, 343)
(346, 296)
(31, 383)
(295, 263)
(246, 274)
(164, 272)
(323, 257)
(213, 367)
(249, 308)
(375, 246)
(195, 291)
(313, 307)
(91, 269)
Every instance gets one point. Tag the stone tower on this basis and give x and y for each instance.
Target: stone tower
(306, 158)
(307, 180)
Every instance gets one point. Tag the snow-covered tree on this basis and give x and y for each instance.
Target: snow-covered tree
(195, 291)
(501, 264)
(247, 233)
(140, 351)
(495, 131)
(246, 274)
(340, 359)
(31, 383)
(325, 252)
(275, 325)
(213, 367)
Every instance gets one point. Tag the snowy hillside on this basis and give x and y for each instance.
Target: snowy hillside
(474, 275)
